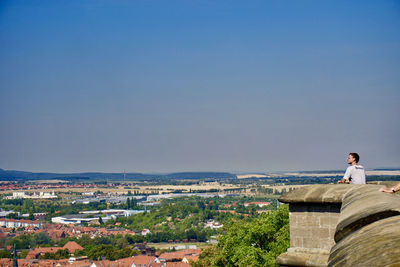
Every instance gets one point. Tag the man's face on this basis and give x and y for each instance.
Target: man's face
(350, 159)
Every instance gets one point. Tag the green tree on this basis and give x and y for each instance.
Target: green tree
(103, 251)
(250, 243)
(13, 215)
(5, 254)
(41, 239)
(23, 254)
(60, 254)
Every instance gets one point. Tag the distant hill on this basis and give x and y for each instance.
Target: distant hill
(9, 175)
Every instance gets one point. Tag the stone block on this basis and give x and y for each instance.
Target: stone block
(325, 221)
(320, 233)
(296, 242)
(299, 231)
(309, 242)
(312, 221)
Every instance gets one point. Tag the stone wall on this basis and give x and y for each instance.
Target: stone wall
(368, 230)
(313, 214)
(313, 225)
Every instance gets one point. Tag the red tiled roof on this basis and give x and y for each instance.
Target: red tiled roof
(56, 234)
(21, 221)
(192, 258)
(34, 253)
(179, 255)
(142, 259)
(43, 263)
(72, 246)
(106, 263)
(177, 264)
(124, 262)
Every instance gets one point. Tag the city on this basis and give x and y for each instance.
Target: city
(127, 223)
(205, 133)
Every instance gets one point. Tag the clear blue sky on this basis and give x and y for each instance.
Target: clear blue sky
(160, 86)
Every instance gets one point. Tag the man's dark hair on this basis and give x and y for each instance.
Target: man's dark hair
(355, 156)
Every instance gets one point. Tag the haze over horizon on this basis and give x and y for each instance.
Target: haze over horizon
(153, 86)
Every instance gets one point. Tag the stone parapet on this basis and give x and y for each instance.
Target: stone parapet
(319, 193)
(376, 244)
(365, 205)
(304, 257)
(322, 215)
(313, 214)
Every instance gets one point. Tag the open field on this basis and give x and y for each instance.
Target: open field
(120, 190)
(281, 187)
(221, 187)
(125, 189)
(53, 181)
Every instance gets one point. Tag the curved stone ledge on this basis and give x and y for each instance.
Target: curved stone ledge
(319, 193)
(362, 206)
(304, 257)
(376, 244)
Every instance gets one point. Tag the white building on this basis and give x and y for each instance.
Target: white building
(116, 212)
(11, 223)
(4, 214)
(40, 195)
(260, 204)
(145, 232)
(74, 219)
(213, 224)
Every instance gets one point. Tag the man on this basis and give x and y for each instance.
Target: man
(355, 174)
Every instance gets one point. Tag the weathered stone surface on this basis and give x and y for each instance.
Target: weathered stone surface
(304, 257)
(384, 183)
(313, 225)
(367, 228)
(364, 205)
(321, 193)
(377, 244)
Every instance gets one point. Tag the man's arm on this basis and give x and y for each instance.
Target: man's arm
(346, 177)
(393, 189)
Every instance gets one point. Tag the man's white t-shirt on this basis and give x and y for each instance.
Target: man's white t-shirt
(355, 174)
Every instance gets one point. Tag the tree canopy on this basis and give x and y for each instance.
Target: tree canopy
(250, 243)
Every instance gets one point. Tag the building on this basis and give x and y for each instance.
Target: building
(71, 246)
(40, 195)
(179, 255)
(115, 212)
(4, 213)
(137, 261)
(13, 223)
(144, 249)
(213, 224)
(75, 219)
(260, 204)
(145, 232)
